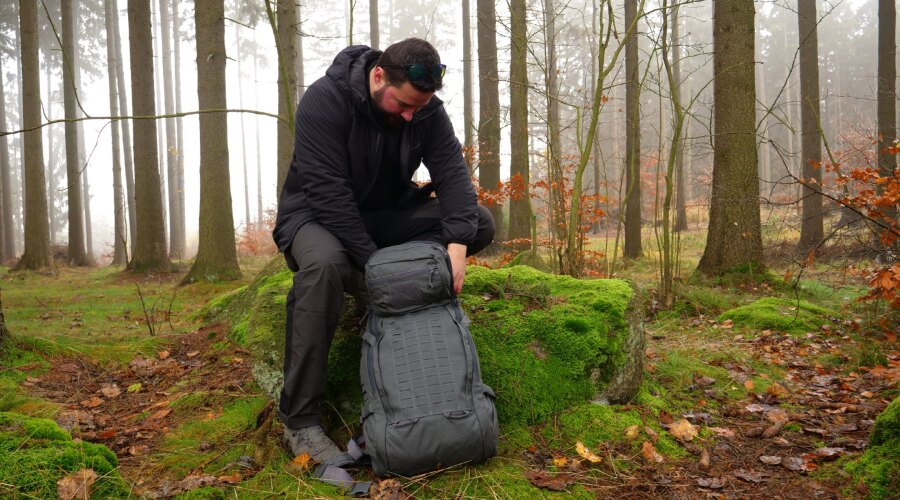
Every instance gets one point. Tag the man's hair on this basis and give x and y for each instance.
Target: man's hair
(404, 53)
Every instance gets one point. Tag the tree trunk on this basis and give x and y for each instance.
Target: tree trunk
(126, 127)
(176, 220)
(287, 87)
(468, 121)
(632, 247)
(216, 253)
(373, 24)
(299, 60)
(159, 105)
(259, 167)
(76, 250)
(240, 78)
(811, 228)
(52, 177)
(179, 128)
(37, 227)
(7, 227)
(120, 257)
(489, 104)
(887, 85)
(681, 223)
(558, 185)
(734, 237)
(519, 208)
(150, 244)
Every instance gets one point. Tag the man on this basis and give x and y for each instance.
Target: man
(361, 132)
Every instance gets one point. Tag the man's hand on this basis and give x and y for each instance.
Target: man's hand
(457, 253)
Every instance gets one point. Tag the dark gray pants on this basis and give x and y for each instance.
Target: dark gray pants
(314, 302)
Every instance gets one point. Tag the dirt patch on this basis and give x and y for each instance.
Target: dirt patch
(130, 408)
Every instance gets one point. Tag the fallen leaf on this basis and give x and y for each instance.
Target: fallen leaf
(722, 432)
(713, 483)
(770, 460)
(683, 430)
(302, 461)
(727, 324)
(231, 479)
(867, 394)
(107, 434)
(92, 403)
(776, 390)
(773, 430)
(190, 483)
(110, 390)
(159, 414)
(133, 388)
(665, 418)
(192, 354)
(777, 416)
(654, 437)
(650, 454)
(704, 459)
(586, 453)
(162, 354)
(560, 461)
(631, 431)
(758, 408)
(794, 463)
(751, 476)
(814, 430)
(237, 361)
(704, 380)
(826, 453)
(749, 385)
(77, 485)
(547, 481)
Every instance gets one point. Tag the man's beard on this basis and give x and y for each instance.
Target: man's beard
(393, 121)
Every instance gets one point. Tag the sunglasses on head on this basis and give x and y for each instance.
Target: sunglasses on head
(419, 72)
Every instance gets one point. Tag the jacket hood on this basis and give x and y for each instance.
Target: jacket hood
(348, 71)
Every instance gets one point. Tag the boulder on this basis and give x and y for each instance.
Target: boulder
(545, 342)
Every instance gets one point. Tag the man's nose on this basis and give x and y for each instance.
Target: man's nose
(408, 114)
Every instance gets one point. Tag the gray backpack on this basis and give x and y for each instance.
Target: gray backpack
(424, 404)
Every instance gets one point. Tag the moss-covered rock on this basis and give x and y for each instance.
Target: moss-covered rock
(775, 313)
(35, 453)
(545, 342)
(879, 466)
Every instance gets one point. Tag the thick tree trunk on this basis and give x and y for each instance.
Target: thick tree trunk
(287, 87)
(176, 219)
(126, 127)
(37, 227)
(519, 208)
(468, 120)
(887, 85)
(216, 254)
(7, 227)
(558, 185)
(150, 244)
(120, 257)
(811, 228)
(160, 131)
(489, 104)
(734, 239)
(76, 251)
(632, 247)
(373, 24)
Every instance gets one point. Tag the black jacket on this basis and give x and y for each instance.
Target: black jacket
(338, 153)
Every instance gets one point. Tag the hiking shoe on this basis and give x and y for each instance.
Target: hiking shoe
(315, 442)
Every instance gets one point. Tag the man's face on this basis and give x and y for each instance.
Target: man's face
(398, 102)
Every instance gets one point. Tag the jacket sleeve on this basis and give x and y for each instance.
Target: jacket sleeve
(321, 156)
(442, 156)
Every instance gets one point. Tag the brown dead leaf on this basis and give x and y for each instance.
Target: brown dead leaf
(631, 431)
(586, 453)
(192, 354)
(160, 414)
(722, 432)
(704, 459)
(683, 430)
(751, 476)
(770, 460)
(650, 454)
(867, 394)
(92, 403)
(302, 462)
(777, 416)
(162, 355)
(795, 464)
(548, 481)
(665, 418)
(76, 485)
(713, 483)
(727, 324)
(773, 430)
(704, 381)
(777, 390)
(825, 453)
(107, 434)
(654, 437)
(560, 461)
(110, 390)
(231, 479)
(749, 385)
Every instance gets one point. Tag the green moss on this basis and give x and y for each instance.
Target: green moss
(694, 299)
(879, 466)
(35, 453)
(773, 313)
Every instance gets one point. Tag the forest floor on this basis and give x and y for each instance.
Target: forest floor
(124, 360)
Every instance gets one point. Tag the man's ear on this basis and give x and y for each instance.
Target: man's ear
(378, 75)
